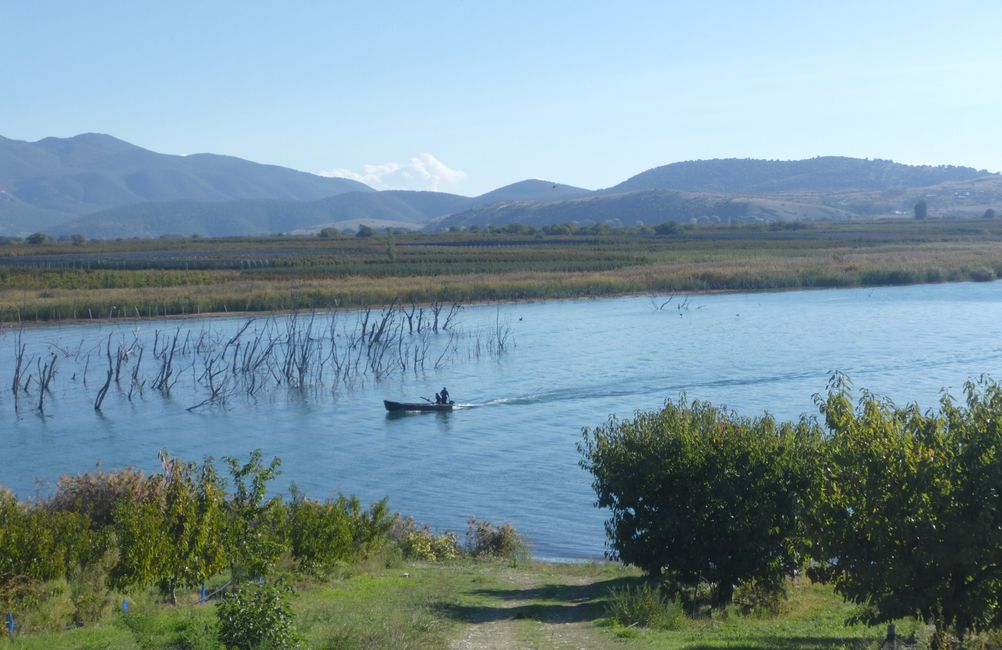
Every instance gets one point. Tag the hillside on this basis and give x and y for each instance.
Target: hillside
(263, 217)
(63, 178)
(102, 187)
(638, 208)
(530, 190)
(827, 173)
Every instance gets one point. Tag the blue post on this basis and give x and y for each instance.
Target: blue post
(260, 580)
(202, 599)
(125, 606)
(10, 624)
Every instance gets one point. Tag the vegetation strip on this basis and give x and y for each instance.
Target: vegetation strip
(156, 279)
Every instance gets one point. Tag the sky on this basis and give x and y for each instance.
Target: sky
(465, 97)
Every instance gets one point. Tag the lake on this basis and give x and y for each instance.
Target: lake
(509, 452)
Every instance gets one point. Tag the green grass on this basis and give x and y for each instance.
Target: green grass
(425, 606)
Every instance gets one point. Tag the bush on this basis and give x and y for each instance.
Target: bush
(644, 605)
(703, 494)
(40, 545)
(484, 540)
(95, 494)
(422, 544)
(253, 616)
(909, 506)
(325, 534)
(759, 599)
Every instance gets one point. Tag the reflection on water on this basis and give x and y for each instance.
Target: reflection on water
(508, 451)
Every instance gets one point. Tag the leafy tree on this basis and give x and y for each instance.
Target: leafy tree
(910, 507)
(172, 535)
(41, 544)
(365, 231)
(256, 528)
(989, 213)
(667, 228)
(324, 534)
(329, 233)
(37, 238)
(921, 209)
(702, 494)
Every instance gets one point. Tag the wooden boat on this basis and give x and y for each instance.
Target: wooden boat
(397, 407)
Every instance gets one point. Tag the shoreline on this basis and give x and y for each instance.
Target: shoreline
(11, 325)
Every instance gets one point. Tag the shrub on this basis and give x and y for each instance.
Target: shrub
(41, 545)
(254, 615)
(909, 505)
(422, 543)
(325, 534)
(703, 494)
(485, 540)
(644, 605)
(756, 598)
(95, 494)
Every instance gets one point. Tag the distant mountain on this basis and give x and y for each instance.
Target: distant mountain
(102, 187)
(62, 178)
(233, 218)
(827, 173)
(391, 208)
(530, 190)
(635, 208)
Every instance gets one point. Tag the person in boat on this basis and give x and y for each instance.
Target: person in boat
(438, 398)
(444, 395)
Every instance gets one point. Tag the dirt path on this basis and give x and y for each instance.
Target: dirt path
(538, 611)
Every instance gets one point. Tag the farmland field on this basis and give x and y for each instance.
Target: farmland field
(157, 278)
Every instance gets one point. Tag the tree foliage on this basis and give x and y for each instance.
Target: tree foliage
(909, 511)
(324, 534)
(702, 494)
(255, 527)
(173, 535)
(41, 544)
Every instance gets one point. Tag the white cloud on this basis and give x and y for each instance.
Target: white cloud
(422, 172)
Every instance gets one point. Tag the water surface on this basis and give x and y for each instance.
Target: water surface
(509, 454)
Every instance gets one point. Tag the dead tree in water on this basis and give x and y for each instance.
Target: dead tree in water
(45, 375)
(107, 382)
(19, 350)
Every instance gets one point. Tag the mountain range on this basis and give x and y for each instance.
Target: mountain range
(103, 187)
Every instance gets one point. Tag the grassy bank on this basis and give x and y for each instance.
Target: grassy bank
(150, 279)
(469, 604)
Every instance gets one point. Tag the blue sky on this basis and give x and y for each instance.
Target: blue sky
(468, 96)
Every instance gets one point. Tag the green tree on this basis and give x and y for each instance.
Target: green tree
(989, 213)
(41, 544)
(173, 535)
(365, 231)
(702, 494)
(328, 233)
(256, 527)
(324, 534)
(37, 238)
(667, 228)
(910, 507)
(921, 209)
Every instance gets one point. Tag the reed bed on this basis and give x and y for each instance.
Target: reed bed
(179, 278)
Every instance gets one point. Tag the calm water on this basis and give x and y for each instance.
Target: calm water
(510, 454)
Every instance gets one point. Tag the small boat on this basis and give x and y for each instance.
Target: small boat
(416, 406)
